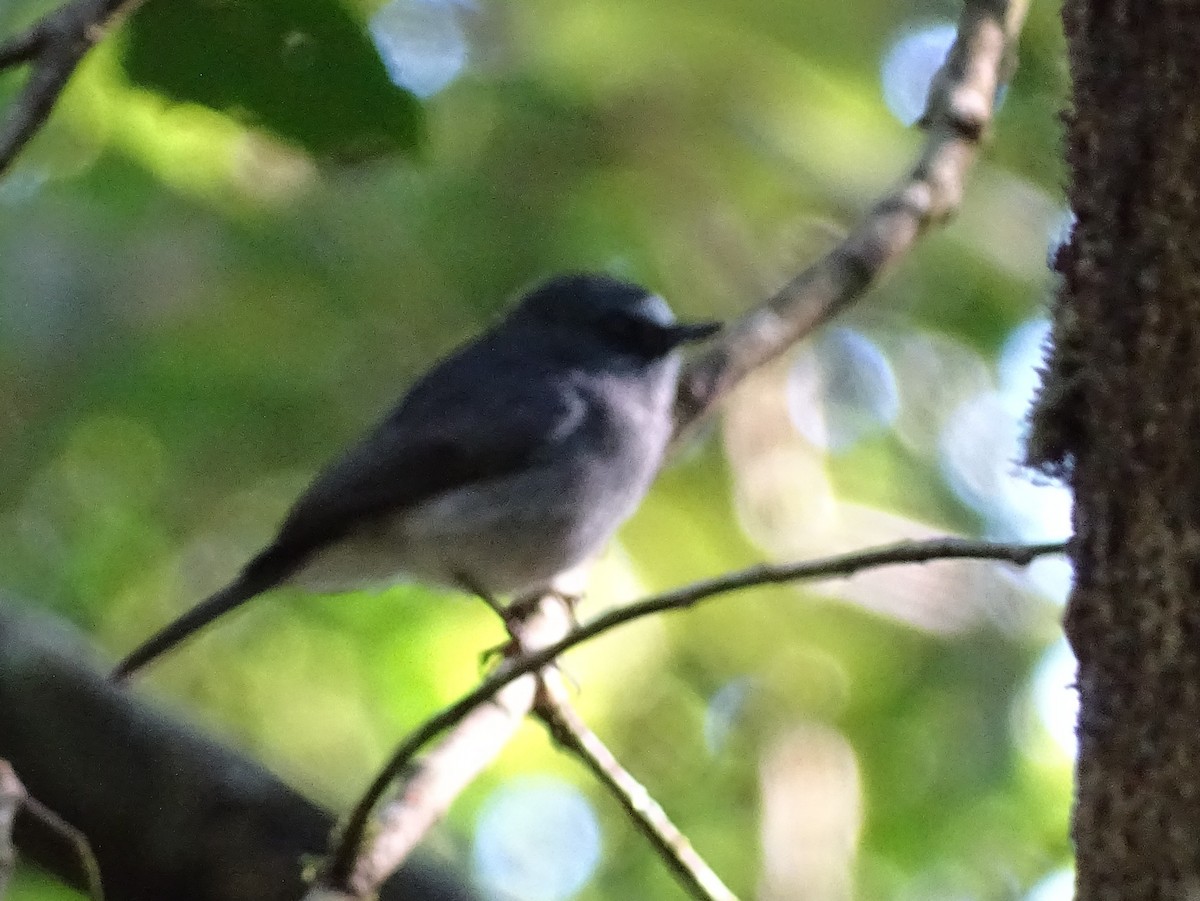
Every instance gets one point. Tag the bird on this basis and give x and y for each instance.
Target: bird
(512, 460)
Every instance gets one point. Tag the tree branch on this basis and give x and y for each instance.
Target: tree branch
(169, 813)
(907, 552)
(554, 709)
(52, 47)
(356, 868)
(957, 115)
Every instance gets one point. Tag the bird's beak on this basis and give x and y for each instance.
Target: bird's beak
(690, 332)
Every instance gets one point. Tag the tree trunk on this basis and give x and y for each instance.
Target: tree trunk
(1120, 417)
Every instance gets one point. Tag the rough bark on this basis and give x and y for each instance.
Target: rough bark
(1120, 417)
(169, 813)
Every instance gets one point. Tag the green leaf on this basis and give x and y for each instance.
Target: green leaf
(303, 69)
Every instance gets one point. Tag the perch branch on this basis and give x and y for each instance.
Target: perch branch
(356, 868)
(426, 791)
(347, 847)
(553, 707)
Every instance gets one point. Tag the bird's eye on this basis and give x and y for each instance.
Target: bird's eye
(634, 334)
(620, 326)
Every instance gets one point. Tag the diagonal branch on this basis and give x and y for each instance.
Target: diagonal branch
(554, 709)
(356, 869)
(350, 841)
(957, 115)
(52, 47)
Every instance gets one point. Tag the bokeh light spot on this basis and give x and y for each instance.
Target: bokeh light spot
(536, 839)
(1021, 361)
(423, 43)
(983, 446)
(1061, 232)
(1055, 696)
(724, 708)
(909, 66)
(982, 450)
(1058, 886)
(21, 185)
(935, 374)
(1052, 577)
(842, 390)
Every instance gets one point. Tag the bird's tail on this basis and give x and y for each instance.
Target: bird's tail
(265, 571)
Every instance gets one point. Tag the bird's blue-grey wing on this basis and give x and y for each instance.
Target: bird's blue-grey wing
(451, 430)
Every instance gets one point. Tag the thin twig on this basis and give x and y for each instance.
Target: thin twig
(356, 868)
(957, 115)
(433, 783)
(905, 552)
(52, 47)
(554, 709)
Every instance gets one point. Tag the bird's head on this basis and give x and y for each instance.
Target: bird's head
(622, 316)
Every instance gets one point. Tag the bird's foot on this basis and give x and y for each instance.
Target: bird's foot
(522, 607)
(517, 614)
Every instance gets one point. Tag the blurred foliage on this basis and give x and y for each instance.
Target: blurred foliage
(194, 315)
(302, 69)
